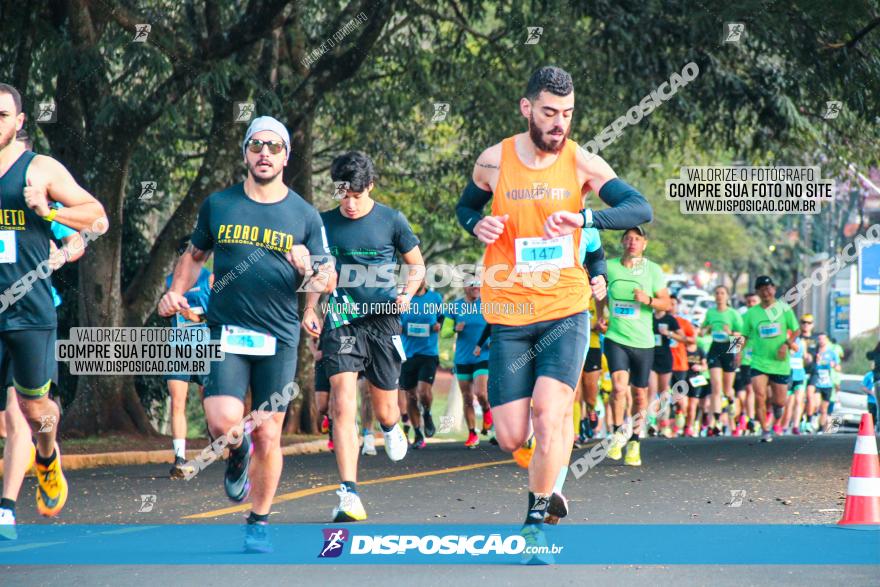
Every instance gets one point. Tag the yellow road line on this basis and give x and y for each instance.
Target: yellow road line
(325, 488)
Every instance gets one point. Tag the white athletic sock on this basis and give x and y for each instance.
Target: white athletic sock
(179, 445)
(560, 479)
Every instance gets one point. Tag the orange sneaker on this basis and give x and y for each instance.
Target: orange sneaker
(523, 455)
(51, 486)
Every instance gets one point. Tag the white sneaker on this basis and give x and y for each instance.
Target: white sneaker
(395, 443)
(7, 525)
(369, 447)
(350, 508)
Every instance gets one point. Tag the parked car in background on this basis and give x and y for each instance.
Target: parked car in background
(853, 400)
(676, 285)
(699, 309)
(688, 296)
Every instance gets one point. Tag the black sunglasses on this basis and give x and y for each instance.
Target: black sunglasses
(256, 146)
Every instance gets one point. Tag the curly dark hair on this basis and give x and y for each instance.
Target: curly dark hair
(356, 168)
(549, 79)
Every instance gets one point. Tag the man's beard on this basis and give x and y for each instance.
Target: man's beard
(261, 180)
(7, 140)
(537, 136)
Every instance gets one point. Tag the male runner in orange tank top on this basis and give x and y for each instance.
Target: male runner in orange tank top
(535, 292)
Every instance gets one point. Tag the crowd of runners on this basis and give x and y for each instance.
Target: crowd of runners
(578, 360)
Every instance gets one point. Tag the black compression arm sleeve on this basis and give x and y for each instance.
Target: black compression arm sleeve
(470, 206)
(485, 336)
(595, 264)
(628, 207)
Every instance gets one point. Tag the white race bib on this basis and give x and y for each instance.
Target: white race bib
(626, 310)
(657, 340)
(719, 336)
(418, 330)
(824, 378)
(698, 381)
(7, 246)
(241, 341)
(398, 345)
(770, 330)
(796, 362)
(536, 254)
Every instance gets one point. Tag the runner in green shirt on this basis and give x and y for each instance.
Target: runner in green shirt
(742, 383)
(724, 324)
(770, 327)
(636, 287)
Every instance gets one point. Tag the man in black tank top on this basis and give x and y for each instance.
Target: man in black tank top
(30, 187)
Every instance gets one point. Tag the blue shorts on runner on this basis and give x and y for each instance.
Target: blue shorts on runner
(521, 354)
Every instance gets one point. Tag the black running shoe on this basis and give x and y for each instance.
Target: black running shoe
(181, 469)
(236, 481)
(556, 509)
(429, 424)
(594, 424)
(419, 440)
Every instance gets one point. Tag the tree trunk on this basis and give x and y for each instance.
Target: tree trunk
(221, 166)
(105, 402)
(303, 412)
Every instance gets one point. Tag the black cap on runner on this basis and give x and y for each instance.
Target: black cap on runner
(639, 229)
(763, 280)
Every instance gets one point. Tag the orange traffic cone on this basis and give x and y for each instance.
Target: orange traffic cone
(863, 490)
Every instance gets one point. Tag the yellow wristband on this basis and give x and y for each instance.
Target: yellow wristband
(51, 215)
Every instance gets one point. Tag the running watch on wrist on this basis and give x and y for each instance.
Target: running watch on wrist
(587, 215)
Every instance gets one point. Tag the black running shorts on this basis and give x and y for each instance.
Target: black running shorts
(626, 358)
(266, 376)
(322, 382)
(720, 357)
(418, 368)
(743, 378)
(662, 363)
(594, 360)
(774, 378)
(369, 345)
(27, 361)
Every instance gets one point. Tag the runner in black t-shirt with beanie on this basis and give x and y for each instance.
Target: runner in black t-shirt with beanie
(262, 234)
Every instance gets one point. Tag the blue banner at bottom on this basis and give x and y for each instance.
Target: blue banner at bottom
(623, 544)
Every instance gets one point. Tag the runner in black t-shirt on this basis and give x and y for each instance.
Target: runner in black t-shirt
(698, 386)
(666, 330)
(361, 331)
(31, 186)
(261, 234)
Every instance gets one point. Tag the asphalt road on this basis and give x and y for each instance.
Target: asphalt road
(795, 480)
